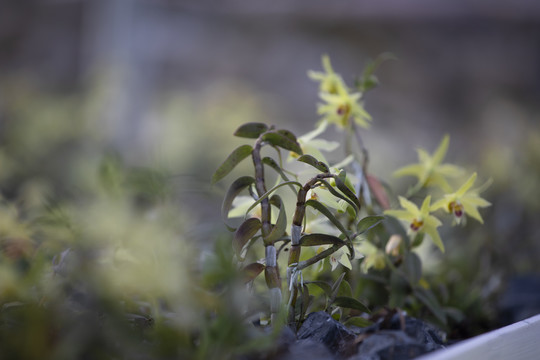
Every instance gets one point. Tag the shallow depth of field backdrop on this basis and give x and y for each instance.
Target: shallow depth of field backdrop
(167, 82)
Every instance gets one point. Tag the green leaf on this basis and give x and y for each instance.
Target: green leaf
(306, 301)
(336, 285)
(239, 154)
(320, 239)
(282, 141)
(251, 130)
(412, 265)
(287, 134)
(428, 299)
(358, 321)
(350, 303)
(281, 223)
(324, 210)
(322, 285)
(319, 165)
(368, 223)
(274, 165)
(251, 271)
(348, 192)
(244, 233)
(236, 187)
(334, 192)
(344, 289)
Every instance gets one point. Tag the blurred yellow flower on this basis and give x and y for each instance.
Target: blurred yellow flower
(342, 106)
(420, 220)
(463, 202)
(329, 80)
(430, 171)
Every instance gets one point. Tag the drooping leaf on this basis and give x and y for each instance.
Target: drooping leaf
(324, 210)
(252, 270)
(281, 223)
(368, 222)
(345, 190)
(239, 154)
(236, 187)
(251, 130)
(319, 165)
(244, 233)
(282, 141)
(428, 299)
(350, 303)
(358, 321)
(412, 265)
(306, 300)
(269, 192)
(319, 239)
(337, 194)
(274, 165)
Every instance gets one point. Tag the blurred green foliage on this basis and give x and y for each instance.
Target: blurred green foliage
(94, 257)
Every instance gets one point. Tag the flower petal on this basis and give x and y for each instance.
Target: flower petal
(440, 153)
(466, 186)
(434, 235)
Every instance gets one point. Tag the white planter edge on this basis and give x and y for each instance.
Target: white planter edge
(519, 341)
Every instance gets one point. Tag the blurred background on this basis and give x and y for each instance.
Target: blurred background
(165, 83)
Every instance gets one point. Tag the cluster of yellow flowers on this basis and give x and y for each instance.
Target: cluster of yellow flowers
(430, 171)
(341, 104)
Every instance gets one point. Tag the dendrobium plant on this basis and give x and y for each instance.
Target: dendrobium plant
(341, 214)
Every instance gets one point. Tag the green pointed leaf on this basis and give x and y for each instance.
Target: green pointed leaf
(319, 165)
(239, 154)
(350, 303)
(428, 299)
(320, 239)
(281, 223)
(344, 289)
(251, 130)
(345, 190)
(236, 187)
(306, 301)
(322, 285)
(358, 321)
(251, 271)
(337, 194)
(368, 223)
(282, 141)
(274, 165)
(324, 210)
(412, 266)
(335, 286)
(244, 233)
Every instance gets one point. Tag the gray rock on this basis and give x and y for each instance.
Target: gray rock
(321, 328)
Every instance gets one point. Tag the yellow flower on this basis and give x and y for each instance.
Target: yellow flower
(420, 220)
(463, 202)
(342, 106)
(430, 171)
(329, 80)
